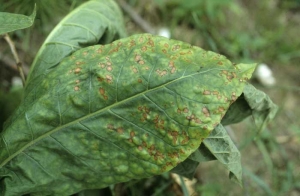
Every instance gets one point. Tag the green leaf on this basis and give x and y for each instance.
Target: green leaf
(187, 168)
(252, 102)
(94, 22)
(262, 107)
(11, 22)
(221, 146)
(127, 110)
(237, 112)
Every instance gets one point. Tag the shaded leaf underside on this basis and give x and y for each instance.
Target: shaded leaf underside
(107, 114)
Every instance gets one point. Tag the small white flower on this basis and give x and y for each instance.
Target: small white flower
(165, 32)
(264, 75)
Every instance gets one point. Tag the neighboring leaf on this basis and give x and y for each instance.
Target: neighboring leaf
(94, 22)
(252, 102)
(107, 114)
(263, 109)
(237, 112)
(11, 22)
(221, 146)
(202, 154)
(187, 168)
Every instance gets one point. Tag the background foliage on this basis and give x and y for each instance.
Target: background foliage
(249, 31)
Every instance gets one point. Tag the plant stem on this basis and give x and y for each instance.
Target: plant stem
(136, 17)
(16, 56)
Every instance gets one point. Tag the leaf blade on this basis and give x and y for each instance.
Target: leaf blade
(94, 22)
(11, 22)
(221, 146)
(130, 109)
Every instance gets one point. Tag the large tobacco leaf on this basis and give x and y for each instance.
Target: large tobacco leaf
(11, 22)
(94, 22)
(110, 113)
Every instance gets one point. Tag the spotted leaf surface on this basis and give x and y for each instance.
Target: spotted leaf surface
(110, 113)
(94, 22)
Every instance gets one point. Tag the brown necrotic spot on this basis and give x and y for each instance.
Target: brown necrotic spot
(132, 134)
(102, 65)
(233, 74)
(140, 147)
(108, 78)
(132, 43)
(174, 135)
(198, 121)
(77, 70)
(102, 92)
(141, 62)
(233, 97)
(176, 47)
(137, 57)
(206, 92)
(109, 68)
(161, 73)
(225, 72)
(120, 130)
(178, 111)
(150, 43)
(134, 69)
(173, 70)
(77, 81)
(173, 155)
(185, 110)
(144, 48)
(171, 64)
(140, 80)
(141, 39)
(205, 111)
(185, 138)
(221, 109)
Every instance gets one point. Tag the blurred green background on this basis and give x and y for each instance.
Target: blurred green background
(262, 31)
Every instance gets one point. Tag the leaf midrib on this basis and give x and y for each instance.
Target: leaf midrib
(98, 112)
